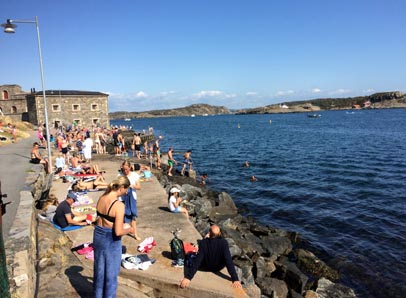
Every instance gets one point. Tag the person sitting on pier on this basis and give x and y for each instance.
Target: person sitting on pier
(65, 216)
(213, 256)
(82, 168)
(36, 157)
(174, 202)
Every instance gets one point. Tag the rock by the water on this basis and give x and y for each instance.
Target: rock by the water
(290, 273)
(328, 289)
(309, 263)
(272, 287)
(277, 245)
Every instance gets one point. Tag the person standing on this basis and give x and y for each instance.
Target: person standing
(87, 148)
(171, 161)
(130, 199)
(107, 238)
(157, 152)
(14, 133)
(137, 145)
(187, 161)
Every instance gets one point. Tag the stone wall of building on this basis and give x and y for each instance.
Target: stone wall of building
(11, 92)
(64, 107)
(85, 110)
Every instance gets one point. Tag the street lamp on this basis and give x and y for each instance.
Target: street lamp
(9, 28)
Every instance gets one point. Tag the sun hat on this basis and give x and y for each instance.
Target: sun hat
(72, 195)
(174, 189)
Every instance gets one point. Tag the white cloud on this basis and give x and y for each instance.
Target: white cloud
(368, 91)
(340, 91)
(141, 94)
(210, 94)
(166, 93)
(284, 93)
(316, 90)
(251, 93)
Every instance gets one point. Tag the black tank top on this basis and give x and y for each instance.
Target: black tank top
(107, 216)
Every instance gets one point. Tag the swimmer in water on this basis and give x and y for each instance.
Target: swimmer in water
(246, 164)
(253, 178)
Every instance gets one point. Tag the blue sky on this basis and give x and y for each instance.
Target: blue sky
(166, 54)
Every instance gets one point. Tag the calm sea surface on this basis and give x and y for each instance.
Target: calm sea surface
(338, 180)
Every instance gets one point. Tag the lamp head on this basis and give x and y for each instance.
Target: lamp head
(9, 27)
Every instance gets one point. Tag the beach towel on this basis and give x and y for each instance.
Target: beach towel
(130, 203)
(83, 199)
(68, 228)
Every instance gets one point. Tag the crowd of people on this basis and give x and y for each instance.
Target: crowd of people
(116, 210)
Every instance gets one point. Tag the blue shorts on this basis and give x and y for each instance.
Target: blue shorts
(177, 210)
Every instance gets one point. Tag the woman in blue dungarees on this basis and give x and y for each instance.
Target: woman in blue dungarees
(107, 238)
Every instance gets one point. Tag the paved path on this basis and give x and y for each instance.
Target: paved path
(154, 220)
(14, 164)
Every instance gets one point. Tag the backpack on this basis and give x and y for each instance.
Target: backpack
(177, 252)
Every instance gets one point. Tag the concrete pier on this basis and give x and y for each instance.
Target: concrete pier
(161, 279)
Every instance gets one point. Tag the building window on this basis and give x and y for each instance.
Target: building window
(77, 122)
(95, 121)
(14, 109)
(94, 107)
(5, 94)
(75, 107)
(57, 123)
(56, 108)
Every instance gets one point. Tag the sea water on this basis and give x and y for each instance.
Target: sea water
(339, 180)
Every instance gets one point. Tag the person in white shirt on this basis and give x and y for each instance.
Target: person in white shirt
(87, 149)
(174, 202)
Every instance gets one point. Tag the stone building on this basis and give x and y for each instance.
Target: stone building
(85, 108)
(13, 102)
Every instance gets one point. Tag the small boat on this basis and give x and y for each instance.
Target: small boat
(127, 119)
(313, 115)
(193, 115)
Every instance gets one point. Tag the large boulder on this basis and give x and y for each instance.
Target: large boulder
(263, 267)
(272, 287)
(235, 251)
(191, 192)
(276, 245)
(289, 272)
(328, 289)
(245, 270)
(310, 264)
(202, 207)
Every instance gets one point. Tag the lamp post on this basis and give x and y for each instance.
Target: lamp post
(9, 28)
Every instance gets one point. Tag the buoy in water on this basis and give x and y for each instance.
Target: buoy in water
(270, 121)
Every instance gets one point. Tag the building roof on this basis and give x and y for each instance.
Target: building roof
(69, 92)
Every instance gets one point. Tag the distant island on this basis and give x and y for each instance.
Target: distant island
(380, 100)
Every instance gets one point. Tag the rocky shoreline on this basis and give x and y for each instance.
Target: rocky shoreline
(267, 257)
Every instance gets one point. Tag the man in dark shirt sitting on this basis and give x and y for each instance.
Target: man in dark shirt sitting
(65, 216)
(213, 256)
